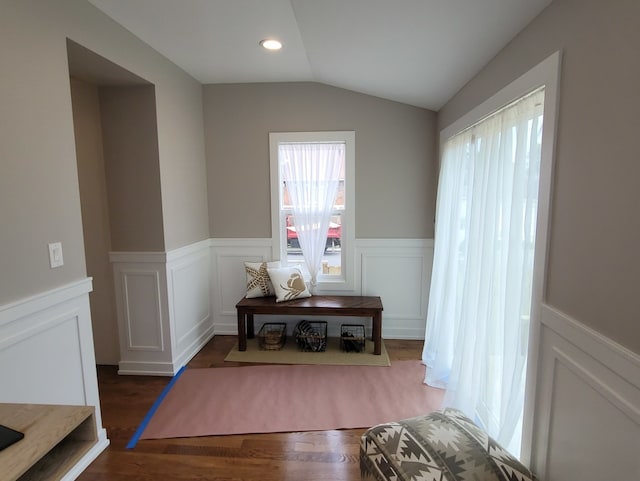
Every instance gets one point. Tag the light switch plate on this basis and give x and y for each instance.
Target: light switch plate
(55, 254)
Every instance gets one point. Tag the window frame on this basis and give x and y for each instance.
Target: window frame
(547, 74)
(325, 283)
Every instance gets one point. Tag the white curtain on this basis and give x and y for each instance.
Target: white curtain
(311, 172)
(480, 299)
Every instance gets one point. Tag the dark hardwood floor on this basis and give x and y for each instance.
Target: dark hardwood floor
(308, 456)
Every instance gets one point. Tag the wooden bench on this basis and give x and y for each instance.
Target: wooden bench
(356, 306)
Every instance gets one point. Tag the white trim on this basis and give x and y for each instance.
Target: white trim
(608, 376)
(189, 287)
(169, 310)
(547, 74)
(597, 384)
(228, 278)
(618, 358)
(241, 242)
(59, 319)
(31, 305)
(399, 271)
(147, 368)
(188, 250)
(346, 282)
(138, 257)
(153, 307)
(400, 320)
(542, 74)
(40, 326)
(194, 348)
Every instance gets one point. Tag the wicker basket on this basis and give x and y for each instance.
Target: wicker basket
(352, 338)
(311, 336)
(272, 336)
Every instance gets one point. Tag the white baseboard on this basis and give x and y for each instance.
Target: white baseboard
(141, 368)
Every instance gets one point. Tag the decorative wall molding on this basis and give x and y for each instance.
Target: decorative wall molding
(380, 264)
(137, 257)
(142, 326)
(587, 410)
(38, 302)
(399, 271)
(189, 287)
(187, 251)
(228, 277)
(242, 242)
(618, 358)
(190, 302)
(47, 339)
(143, 313)
(163, 303)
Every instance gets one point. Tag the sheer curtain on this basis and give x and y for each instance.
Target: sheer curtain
(480, 299)
(311, 172)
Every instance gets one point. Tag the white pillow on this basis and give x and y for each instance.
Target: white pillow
(258, 280)
(288, 283)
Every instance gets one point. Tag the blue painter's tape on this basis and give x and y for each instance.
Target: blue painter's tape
(134, 440)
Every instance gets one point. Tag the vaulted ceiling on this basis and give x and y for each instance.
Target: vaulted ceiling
(419, 52)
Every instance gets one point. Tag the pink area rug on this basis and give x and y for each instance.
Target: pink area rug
(287, 398)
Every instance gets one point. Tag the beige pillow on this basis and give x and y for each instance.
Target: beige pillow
(258, 281)
(288, 283)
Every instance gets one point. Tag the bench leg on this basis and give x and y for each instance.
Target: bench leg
(377, 333)
(250, 329)
(242, 332)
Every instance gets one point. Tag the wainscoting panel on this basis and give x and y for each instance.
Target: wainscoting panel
(188, 275)
(587, 415)
(47, 354)
(143, 313)
(163, 303)
(57, 338)
(142, 310)
(399, 271)
(228, 277)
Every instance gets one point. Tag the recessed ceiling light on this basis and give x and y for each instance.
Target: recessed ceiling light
(271, 44)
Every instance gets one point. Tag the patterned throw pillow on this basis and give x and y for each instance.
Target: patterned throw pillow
(288, 283)
(258, 280)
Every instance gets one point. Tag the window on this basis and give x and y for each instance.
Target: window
(319, 200)
(480, 302)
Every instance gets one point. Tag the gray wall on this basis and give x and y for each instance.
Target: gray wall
(39, 198)
(594, 266)
(395, 155)
(96, 224)
(132, 167)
